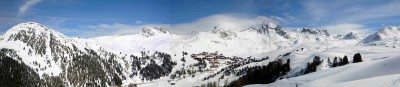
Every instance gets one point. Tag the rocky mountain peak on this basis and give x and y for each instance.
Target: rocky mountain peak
(315, 31)
(152, 31)
(267, 27)
(224, 33)
(217, 29)
(384, 33)
(351, 35)
(272, 28)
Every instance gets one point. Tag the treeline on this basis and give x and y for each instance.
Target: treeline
(263, 74)
(312, 67)
(337, 61)
(276, 69)
(210, 84)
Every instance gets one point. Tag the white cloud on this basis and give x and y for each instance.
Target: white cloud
(345, 28)
(117, 29)
(390, 9)
(231, 21)
(26, 6)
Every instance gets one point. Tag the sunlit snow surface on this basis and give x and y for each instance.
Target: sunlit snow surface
(379, 69)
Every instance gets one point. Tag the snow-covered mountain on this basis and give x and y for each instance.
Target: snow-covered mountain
(387, 36)
(230, 42)
(388, 32)
(351, 36)
(53, 59)
(155, 56)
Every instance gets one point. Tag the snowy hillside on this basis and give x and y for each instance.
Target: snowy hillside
(150, 38)
(379, 69)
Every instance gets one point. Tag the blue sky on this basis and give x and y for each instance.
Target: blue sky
(187, 10)
(72, 16)
(90, 18)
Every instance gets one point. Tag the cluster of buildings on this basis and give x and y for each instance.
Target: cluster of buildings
(213, 58)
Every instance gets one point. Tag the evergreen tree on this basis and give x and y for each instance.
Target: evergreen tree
(340, 62)
(286, 66)
(335, 62)
(357, 58)
(308, 69)
(312, 67)
(345, 60)
(317, 60)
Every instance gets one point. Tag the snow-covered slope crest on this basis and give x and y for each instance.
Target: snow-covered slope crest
(30, 28)
(387, 32)
(152, 31)
(148, 39)
(40, 38)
